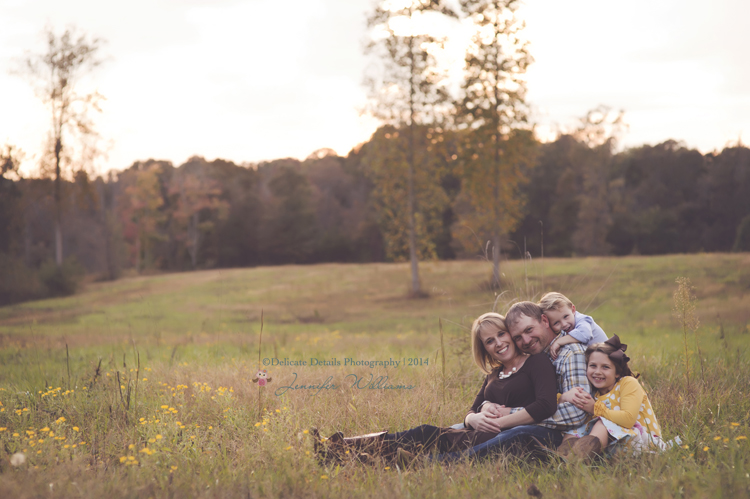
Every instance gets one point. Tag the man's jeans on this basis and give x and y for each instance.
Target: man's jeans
(514, 441)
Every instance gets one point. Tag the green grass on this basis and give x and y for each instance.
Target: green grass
(190, 342)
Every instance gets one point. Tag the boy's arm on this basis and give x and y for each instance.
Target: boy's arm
(571, 372)
(561, 341)
(582, 332)
(565, 340)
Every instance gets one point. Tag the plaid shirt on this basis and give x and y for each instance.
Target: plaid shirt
(570, 368)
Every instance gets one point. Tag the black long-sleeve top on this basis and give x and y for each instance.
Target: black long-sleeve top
(533, 387)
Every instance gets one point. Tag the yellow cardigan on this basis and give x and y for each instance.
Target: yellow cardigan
(628, 404)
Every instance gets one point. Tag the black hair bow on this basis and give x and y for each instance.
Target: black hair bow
(619, 353)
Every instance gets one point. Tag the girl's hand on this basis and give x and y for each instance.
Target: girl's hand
(568, 396)
(583, 401)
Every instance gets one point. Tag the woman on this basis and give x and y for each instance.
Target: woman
(514, 379)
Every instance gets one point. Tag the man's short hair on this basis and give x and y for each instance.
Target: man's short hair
(527, 308)
(554, 301)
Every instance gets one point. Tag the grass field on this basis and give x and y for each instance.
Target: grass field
(142, 387)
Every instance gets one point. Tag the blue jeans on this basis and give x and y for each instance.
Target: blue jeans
(515, 441)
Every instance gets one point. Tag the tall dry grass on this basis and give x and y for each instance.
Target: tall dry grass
(193, 426)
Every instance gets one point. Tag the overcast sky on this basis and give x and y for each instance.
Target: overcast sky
(252, 80)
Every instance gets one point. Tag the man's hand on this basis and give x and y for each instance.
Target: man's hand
(483, 422)
(495, 410)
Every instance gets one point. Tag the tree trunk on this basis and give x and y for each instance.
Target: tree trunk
(109, 254)
(58, 207)
(496, 259)
(193, 236)
(496, 177)
(138, 253)
(415, 284)
(27, 240)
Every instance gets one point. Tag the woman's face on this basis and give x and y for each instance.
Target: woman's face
(498, 343)
(601, 372)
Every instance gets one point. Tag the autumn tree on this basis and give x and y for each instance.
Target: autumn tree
(387, 149)
(142, 212)
(407, 93)
(197, 208)
(56, 76)
(493, 109)
(10, 198)
(599, 131)
(290, 227)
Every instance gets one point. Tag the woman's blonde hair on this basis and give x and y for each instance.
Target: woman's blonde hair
(483, 359)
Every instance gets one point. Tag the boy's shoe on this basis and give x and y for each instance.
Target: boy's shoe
(404, 458)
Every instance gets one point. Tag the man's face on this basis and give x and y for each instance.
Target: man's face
(530, 335)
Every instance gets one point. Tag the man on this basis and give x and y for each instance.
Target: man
(531, 332)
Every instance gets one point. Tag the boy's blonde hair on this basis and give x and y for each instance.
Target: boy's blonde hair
(483, 359)
(554, 301)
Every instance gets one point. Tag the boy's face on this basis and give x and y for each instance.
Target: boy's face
(563, 319)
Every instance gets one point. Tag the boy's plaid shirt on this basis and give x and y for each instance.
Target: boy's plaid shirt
(570, 368)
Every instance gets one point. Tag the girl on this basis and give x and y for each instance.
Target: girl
(623, 416)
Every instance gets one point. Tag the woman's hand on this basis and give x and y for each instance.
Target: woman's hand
(583, 400)
(495, 410)
(484, 422)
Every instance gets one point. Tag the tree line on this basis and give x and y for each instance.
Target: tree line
(579, 199)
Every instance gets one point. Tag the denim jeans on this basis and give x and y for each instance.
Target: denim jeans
(514, 441)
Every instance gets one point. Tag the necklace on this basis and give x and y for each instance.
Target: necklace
(502, 374)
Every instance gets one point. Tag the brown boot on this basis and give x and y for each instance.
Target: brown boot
(566, 446)
(404, 458)
(587, 448)
(372, 443)
(328, 450)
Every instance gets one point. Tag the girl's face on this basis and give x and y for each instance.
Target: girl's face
(498, 344)
(601, 372)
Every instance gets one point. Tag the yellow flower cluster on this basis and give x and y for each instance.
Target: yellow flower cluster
(54, 392)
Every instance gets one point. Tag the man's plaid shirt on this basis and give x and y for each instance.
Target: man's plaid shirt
(570, 367)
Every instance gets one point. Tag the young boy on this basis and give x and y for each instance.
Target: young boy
(562, 316)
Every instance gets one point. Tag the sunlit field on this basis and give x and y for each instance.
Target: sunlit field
(143, 387)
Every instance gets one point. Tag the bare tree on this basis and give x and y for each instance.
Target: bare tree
(409, 91)
(55, 75)
(494, 108)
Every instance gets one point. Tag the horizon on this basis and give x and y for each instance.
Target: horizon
(188, 84)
